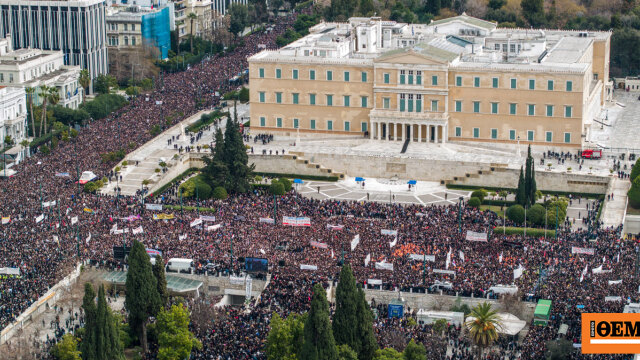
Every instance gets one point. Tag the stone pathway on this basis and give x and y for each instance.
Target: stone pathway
(614, 210)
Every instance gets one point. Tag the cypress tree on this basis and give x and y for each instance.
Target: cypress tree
(318, 336)
(520, 191)
(88, 345)
(161, 280)
(527, 179)
(142, 299)
(108, 346)
(215, 168)
(533, 188)
(236, 159)
(345, 317)
(368, 342)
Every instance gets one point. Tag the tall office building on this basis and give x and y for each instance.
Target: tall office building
(75, 27)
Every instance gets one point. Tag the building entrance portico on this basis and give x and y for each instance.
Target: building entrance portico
(416, 132)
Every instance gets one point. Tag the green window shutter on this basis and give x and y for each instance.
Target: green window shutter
(476, 106)
(386, 103)
(363, 101)
(434, 105)
(263, 121)
(550, 85)
(567, 137)
(512, 109)
(347, 126)
(418, 105)
(532, 84)
(279, 97)
(278, 73)
(476, 132)
(347, 101)
(569, 85)
(418, 79)
(401, 79)
(434, 80)
(312, 74)
(410, 105)
(313, 124)
(295, 123)
(568, 111)
(386, 78)
(410, 82)
(494, 108)
(530, 135)
(279, 122)
(532, 110)
(512, 134)
(549, 136)
(261, 71)
(458, 80)
(295, 98)
(549, 110)
(329, 100)
(295, 74)
(494, 133)
(458, 131)
(312, 99)
(364, 76)
(458, 106)
(329, 125)
(262, 97)
(363, 126)
(401, 105)
(329, 75)
(494, 82)
(513, 83)
(346, 76)
(476, 81)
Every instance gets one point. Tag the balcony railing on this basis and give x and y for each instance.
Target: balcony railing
(410, 116)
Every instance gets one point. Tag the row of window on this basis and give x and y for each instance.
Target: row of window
(113, 41)
(295, 75)
(329, 99)
(512, 134)
(513, 109)
(513, 83)
(313, 124)
(114, 26)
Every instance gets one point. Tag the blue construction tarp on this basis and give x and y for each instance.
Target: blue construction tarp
(156, 31)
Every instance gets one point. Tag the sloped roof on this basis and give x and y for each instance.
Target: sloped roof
(469, 20)
(426, 50)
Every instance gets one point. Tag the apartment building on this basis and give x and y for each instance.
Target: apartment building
(75, 27)
(457, 79)
(135, 26)
(33, 68)
(13, 117)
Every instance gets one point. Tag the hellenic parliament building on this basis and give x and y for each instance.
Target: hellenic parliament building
(457, 79)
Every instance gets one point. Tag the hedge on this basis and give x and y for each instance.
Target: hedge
(498, 202)
(297, 176)
(510, 230)
(178, 178)
(190, 208)
(512, 190)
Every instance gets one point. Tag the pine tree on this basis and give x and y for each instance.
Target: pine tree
(520, 191)
(532, 183)
(318, 336)
(368, 342)
(161, 280)
(345, 317)
(88, 345)
(236, 159)
(142, 299)
(215, 168)
(108, 346)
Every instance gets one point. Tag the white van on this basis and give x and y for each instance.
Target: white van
(180, 266)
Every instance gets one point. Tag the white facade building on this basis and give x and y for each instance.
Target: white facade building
(33, 68)
(75, 27)
(13, 114)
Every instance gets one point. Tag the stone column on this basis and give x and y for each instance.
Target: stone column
(388, 132)
(435, 133)
(419, 133)
(403, 128)
(428, 133)
(378, 132)
(445, 133)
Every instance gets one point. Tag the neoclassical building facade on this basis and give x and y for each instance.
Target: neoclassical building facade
(458, 79)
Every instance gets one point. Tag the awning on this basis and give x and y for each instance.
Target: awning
(412, 182)
(359, 179)
(297, 181)
(511, 325)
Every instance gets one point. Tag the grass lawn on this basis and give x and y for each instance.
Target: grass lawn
(494, 208)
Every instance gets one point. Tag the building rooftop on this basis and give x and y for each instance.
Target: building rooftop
(463, 41)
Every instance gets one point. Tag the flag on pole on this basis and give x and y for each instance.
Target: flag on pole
(584, 272)
(182, 237)
(262, 251)
(114, 228)
(500, 258)
(6, 220)
(55, 238)
(367, 260)
(332, 255)
(461, 255)
(518, 272)
(88, 238)
(448, 259)
(74, 220)
(39, 218)
(138, 230)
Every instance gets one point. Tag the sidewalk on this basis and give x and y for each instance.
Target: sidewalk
(614, 210)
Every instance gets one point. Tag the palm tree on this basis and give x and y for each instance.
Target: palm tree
(30, 91)
(85, 81)
(191, 18)
(483, 325)
(44, 90)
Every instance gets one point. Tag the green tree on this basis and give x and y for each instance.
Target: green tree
(536, 214)
(634, 194)
(215, 168)
(367, 339)
(318, 336)
(529, 180)
(388, 354)
(345, 317)
(474, 202)
(414, 351)
(635, 170)
(220, 193)
(84, 80)
(108, 345)
(236, 158)
(276, 188)
(483, 326)
(88, 345)
(142, 299)
(366, 8)
(515, 213)
(286, 183)
(44, 93)
(161, 279)
(286, 337)
(175, 341)
(67, 349)
(192, 17)
(103, 84)
(533, 11)
(521, 191)
(346, 353)
(30, 91)
(480, 194)
(238, 18)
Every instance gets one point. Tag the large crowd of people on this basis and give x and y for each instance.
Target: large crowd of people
(45, 239)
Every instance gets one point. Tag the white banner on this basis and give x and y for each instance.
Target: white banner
(118, 232)
(296, 221)
(612, 298)
(448, 272)
(319, 244)
(6, 220)
(236, 280)
(335, 227)
(157, 207)
(247, 289)
(367, 260)
(88, 238)
(448, 261)
(214, 227)
(518, 272)
(579, 250)
(196, 222)
(461, 254)
(355, 242)
(476, 236)
(10, 271)
(384, 266)
(599, 270)
(389, 232)
(418, 257)
(138, 230)
(207, 218)
(584, 272)
(308, 267)
(182, 237)
(267, 220)
(39, 218)
(74, 220)
(113, 228)
(394, 242)
(374, 281)
(615, 282)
